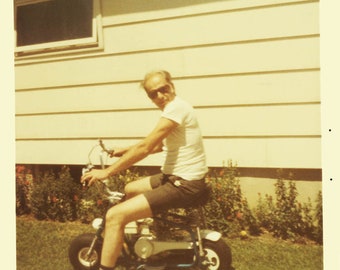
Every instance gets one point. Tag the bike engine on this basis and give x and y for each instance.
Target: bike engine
(144, 247)
(163, 252)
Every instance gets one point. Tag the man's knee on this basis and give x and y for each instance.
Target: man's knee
(114, 217)
(121, 214)
(137, 187)
(130, 190)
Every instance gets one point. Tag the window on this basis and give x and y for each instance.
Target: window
(52, 25)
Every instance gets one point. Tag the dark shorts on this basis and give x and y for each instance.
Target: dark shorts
(171, 191)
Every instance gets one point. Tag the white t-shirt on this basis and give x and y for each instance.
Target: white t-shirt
(183, 148)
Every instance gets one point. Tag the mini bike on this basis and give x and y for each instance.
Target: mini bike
(170, 240)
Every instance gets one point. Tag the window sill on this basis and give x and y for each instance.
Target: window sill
(69, 52)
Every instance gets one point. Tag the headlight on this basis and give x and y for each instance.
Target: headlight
(96, 223)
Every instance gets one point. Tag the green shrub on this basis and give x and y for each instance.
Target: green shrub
(287, 218)
(318, 219)
(54, 196)
(91, 203)
(24, 180)
(287, 215)
(264, 211)
(227, 209)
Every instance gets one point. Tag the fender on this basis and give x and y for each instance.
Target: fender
(210, 235)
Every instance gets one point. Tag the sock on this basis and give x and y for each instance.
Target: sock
(105, 268)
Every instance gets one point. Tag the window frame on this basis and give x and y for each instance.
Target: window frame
(64, 46)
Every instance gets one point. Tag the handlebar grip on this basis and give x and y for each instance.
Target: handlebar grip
(88, 168)
(110, 152)
(102, 145)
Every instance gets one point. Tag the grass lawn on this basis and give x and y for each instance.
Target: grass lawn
(43, 245)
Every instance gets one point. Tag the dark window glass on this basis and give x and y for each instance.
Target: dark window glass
(55, 20)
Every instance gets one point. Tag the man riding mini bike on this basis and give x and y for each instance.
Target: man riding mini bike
(169, 240)
(181, 182)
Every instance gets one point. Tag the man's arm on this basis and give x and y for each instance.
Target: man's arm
(158, 148)
(119, 152)
(135, 153)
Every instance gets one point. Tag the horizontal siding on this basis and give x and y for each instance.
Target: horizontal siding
(294, 54)
(267, 88)
(248, 152)
(228, 27)
(261, 121)
(265, 152)
(236, 90)
(131, 11)
(283, 120)
(250, 68)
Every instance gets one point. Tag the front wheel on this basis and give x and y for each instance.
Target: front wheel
(79, 252)
(217, 255)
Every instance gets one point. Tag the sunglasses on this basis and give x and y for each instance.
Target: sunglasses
(154, 93)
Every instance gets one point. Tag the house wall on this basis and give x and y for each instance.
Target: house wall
(249, 67)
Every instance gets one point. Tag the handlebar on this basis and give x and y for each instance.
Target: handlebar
(112, 196)
(110, 152)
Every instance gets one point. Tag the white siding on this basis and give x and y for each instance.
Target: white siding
(251, 69)
(226, 26)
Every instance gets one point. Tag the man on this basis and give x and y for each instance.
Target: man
(181, 183)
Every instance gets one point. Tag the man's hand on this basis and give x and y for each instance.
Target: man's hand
(117, 152)
(94, 175)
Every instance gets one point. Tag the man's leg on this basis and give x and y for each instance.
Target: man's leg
(116, 219)
(140, 186)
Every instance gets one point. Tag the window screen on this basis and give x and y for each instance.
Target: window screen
(55, 20)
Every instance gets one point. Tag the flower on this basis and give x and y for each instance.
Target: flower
(243, 234)
(239, 215)
(20, 168)
(229, 217)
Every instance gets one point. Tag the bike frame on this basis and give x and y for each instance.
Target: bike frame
(126, 259)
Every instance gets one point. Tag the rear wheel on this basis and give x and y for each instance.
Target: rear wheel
(217, 255)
